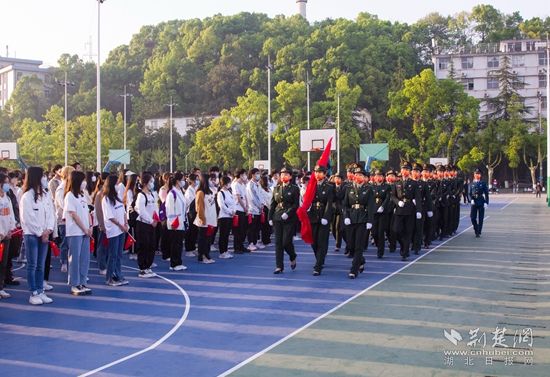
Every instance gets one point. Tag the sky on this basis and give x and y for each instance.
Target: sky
(43, 30)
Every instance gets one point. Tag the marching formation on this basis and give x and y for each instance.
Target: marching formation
(72, 215)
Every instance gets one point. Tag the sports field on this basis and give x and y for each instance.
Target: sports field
(236, 317)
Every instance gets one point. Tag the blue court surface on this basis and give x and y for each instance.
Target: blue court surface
(199, 322)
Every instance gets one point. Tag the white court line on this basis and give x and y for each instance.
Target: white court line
(20, 267)
(255, 356)
(509, 204)
(158, 342)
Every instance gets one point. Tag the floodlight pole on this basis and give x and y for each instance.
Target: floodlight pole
(171, 105)
(338, 133)
(125, 95)
(98, 88)
(269, 115)
(308, 122)
(547, 120)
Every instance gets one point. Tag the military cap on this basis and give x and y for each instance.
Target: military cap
(427, 167)
(378, 172)
(320, 168)
(286, 169)
(351, 167)
(416, 167)
(406, 165)
(390, 172)
(339, 175)
(477, 171)
(359, 170)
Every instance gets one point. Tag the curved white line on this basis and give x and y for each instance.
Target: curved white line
(158, 342)
(20, 267)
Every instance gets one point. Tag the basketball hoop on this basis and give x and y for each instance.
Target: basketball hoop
(315, 150)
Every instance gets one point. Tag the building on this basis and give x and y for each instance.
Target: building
(474, 67)
(302, 8)
(13, 69)
(181, 124)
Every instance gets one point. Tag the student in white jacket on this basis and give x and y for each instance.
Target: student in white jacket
(255, 205)
(146, 224)
(176, 211)
(7, 226)
(37, 221)
(227, 205)
(59, 202)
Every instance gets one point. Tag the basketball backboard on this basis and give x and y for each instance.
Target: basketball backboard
(317, 140)
(378, 152)
(439, 161)
(8, 151)
(261, 164)
(121, 156)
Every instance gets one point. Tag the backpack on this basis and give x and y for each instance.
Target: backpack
(162, 208)
(132, 213)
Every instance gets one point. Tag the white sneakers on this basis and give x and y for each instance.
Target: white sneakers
(260, 245)
(208, 261)
(47, 287)
(191, 253)
(103, 272)
(181, 267)
(252, 247)
(145, 274)
(39, 299)
(133, 257)
(4, 294)
(64, 267)
(226, 255)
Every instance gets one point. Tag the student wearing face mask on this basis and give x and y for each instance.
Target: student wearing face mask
(214, 183)
(193, 231)
(267, 195)
(206, 219)
(146, 223)
(37, 221)
(78, 233)
(255, 204)
(176, 220)
(226, 203)
(7, 227)
(50, 203)
(59, 203)
(238, 188)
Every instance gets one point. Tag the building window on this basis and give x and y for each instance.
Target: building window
(542, 58)
(18, 76)
(468, 84)
(543, 103)
(443, 63)
(542, 80)
(519, 82)
(514, 47)
(492, 83)
(492, 62)
(518, 60)
(154, 123)
(467, 62)
(530, 46)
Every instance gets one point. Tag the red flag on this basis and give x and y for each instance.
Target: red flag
(92, 244)
(105, 241)
(210, 230)
(235, 221)
(307, 236)
(55, 249)
(130, 241)
(1, 252)
(176, 223)
(156, 217)
(18, 233)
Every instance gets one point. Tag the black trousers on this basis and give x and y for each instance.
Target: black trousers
(476, 215)
(320, 234)
(239, 232)
(254, 230)
(164, 240)
(338, 229)
(265, 228)
(418, 234)
(284, 232)
(10, 253)
(443, 221)
(145, 239)
(4, 263)
(379, 229)
(393, 237)
(204, 242)
(175, 238)
(403, 227)
(191, 236)
(224, 224)
(357, 237)
(428, 229)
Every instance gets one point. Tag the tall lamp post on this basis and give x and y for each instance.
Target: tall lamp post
(98, 86)
(269, 68)
(125, 95)
(171, 106)
(338, 133)
(308, 122)
(65, 83)
(547, 120)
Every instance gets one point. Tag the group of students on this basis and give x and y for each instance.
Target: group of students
(178, 214)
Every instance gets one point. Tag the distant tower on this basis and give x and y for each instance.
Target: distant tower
(302, 4)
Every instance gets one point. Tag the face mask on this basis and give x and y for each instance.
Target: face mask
(257, 177)
(83, 186)
(44, 182)
(197, 184)
(6, 187)
(151, 186)
(94, 178)
(285, 179)
(182, 184)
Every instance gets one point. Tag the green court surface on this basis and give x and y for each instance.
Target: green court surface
(494, 291)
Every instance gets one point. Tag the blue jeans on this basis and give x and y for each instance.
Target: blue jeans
(114, 268)
(36, 259)
(64, 246)
(79, 259)
(101, 251)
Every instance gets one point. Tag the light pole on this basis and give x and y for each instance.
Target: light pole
(308, 123)
(125, 95)
(547, 120)
(98, 87)
(269, 114)
(171, 105)
(65, 83)
(338, 133)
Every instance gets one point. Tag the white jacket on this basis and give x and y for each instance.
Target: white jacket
(146, 206)
(59, 202)
(7, 219)
(175, 207)
(254, 197)
(226, 202)
(36, 217)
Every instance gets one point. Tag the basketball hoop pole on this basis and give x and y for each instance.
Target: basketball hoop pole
(308, 125)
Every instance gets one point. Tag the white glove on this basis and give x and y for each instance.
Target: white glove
(485, 205)
(418, 215)
(473, 201)
(401, 204)
(324, 221)
(414, 201)
(347, 221)
(270, 222)
(369, 226)
(430, 214)
(284, 216)
(380, 209)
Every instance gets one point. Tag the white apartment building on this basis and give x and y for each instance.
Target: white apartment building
(474, 67)
(13, 69)
(181, 124)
